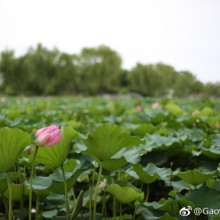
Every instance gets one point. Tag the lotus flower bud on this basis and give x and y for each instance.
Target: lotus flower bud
(47, 136)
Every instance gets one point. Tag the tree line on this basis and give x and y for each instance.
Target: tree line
(92, 72)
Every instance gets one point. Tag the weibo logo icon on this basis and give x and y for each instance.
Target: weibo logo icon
(185, 211)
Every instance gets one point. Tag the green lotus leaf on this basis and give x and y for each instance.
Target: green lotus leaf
(56, 155)
(124, 194)
(114, 164)
(12, 143)
(58, 186)
(3, 180)
(122, 217)
(212, 152)
(69, 168)
(142, 129)
(207, 111)
(194, 177)
(216, 139)
(71, 165)
(56, 197)
(3, 185)
(181, 185)
(40, 182)
(151, 173)
(18, 190)
(171, 205)
(204, 197)
(156, 141)
(49, 214)
(73, 169)
(174, 109)
(107, 140)
(153, 214)
(42, 193)
(122, 158)
(131, 155)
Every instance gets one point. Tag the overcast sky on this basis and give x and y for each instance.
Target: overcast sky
(182, 33)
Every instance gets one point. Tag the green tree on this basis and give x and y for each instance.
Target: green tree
(167, 78)
(143, 79)
(100, 68)
(40, 72)
(212, 89)
(187, 84)
(7, 71)
(68, 74)
(94, 71)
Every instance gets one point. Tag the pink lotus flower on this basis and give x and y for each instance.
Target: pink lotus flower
(155, 105)
(47, 136)
(138, 108)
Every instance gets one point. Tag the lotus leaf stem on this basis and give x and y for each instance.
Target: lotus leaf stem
(9, 198)
(66, 195)
(96, 191)
(31, 180)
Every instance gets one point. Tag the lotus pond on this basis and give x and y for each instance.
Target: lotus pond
(119, 158)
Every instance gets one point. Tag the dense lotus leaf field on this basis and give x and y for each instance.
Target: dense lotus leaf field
(119, 158)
